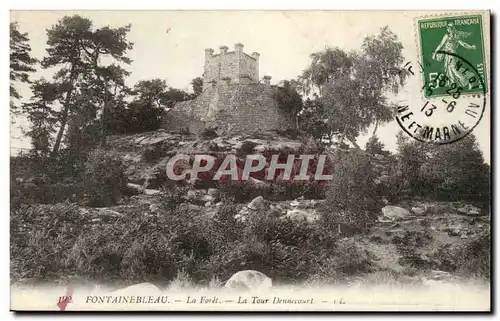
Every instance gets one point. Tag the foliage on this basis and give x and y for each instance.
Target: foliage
(375, 146)
(41, 238)
(197, 84)
(208, 134)
(145, 112)
(449, 172)
(351, 198)
(21, 61)
(173, 244)
(155, 152)
(351, 86)
(77, 50)
(104, 179)
(289, 100)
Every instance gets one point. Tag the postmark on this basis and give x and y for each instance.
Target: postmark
(454, 81)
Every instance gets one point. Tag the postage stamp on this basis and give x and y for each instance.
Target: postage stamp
(446, 45)
(453, 70)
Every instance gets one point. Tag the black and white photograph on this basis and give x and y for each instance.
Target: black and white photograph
(206, 160)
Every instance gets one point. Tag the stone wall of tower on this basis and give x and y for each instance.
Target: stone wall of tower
(230, 66)
(233, 109)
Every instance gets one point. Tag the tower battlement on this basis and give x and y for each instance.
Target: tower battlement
(230, 67)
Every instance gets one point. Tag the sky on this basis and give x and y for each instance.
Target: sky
(170, 45)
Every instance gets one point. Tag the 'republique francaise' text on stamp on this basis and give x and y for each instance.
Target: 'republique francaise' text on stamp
(443, 41)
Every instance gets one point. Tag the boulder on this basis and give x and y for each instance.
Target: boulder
(148, 191)
(191, 195)
(108, 213)
(190, 207)
(249, 280)
(469, 210)
(140, 289)
(136, 187)
(395, 213)
(207, 198)
(213, 192)
(153, 140)
(155, 208)
(257, 203)
(418, 210)
(298, 215)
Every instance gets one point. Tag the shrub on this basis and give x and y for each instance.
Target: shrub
(104, 179)
(209, 133)
(41, 236)
(246, 148)
(153, 153)
(408, 247)
(475, 257)
(471, 259)
(351, 198)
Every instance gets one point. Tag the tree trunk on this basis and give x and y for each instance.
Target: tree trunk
(376, 127)
(64, 118)
(104, 114)
(64, 121)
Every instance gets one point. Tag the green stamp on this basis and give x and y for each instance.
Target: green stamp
(452, 53)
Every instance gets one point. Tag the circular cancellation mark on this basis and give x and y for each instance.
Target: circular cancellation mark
(450, 117)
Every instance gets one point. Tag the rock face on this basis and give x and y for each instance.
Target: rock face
(249, 280)
(395, 213)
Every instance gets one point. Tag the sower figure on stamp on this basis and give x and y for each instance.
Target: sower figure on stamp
(450, 42)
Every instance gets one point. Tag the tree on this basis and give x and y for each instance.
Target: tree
(21, 62)
(41, 116)
(457, 171)
(352, 86)
(375, 146)
(289, 100)
(197, 84)
(77, 50)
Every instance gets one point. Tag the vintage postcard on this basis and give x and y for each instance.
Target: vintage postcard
(250, 161)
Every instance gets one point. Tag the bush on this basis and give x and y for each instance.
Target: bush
(153, 153)
(475, 257)
(246, 148)
(104, 179)
(471, 259)
(208, 133)
(41, 236)
(351, 198)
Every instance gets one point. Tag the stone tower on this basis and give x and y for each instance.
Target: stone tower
(230, 67)
(233, 99)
